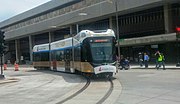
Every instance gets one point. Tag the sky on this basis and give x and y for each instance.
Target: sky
(10, 8)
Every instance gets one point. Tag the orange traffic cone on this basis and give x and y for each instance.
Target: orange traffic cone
(5, 66)
(16, 66)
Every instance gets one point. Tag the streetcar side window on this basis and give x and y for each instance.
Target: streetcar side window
(84, 52)
(43, 56)
(77, 53)
(57, 55)
(53, 56)
(60, 55)
(36, 57)
(68, 53)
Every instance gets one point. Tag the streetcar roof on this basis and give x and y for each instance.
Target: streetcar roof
(98, 33)
(41, 47)
(61, 44)
(65, 43)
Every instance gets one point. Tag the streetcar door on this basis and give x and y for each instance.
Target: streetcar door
(67, 60)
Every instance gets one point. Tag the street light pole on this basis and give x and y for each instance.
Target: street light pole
(117, 24)
(117, 28)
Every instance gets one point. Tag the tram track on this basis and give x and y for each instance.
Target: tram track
(101, 99)
(108, 93)
(76, 93)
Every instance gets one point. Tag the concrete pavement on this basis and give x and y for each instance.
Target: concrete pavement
(36, 87)
(137, 84)
(140, 86)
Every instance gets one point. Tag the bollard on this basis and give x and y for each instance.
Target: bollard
(16, 66)
(5, 66)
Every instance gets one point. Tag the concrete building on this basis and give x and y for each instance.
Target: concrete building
(144, 26)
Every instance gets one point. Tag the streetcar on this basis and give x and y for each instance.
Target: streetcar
(88, 52)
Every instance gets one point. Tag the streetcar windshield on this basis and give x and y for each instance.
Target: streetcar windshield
(102, 52)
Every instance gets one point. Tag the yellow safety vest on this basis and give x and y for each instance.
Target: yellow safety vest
(160, 58)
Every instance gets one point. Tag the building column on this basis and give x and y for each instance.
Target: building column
(50, 40)
(110, 22)
(31, 44)
(17, 47)
(73, 30)
(72, 34)
(50, 37)
(77, 28)
(167, 18)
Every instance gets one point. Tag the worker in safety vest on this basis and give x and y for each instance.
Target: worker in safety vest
(161, 60)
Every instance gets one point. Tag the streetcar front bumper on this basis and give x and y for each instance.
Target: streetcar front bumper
(105, 69)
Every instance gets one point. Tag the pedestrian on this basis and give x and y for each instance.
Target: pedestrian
(146, 59)
(118, 61)
(122, 60)
(140, 59)
(161, 60)
(124, 63)
(117, 58)
(156, 58)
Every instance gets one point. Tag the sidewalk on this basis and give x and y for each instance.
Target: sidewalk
(153, 67)
(7, 79)
(132, 66)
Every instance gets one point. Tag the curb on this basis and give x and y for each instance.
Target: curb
(9, 80)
